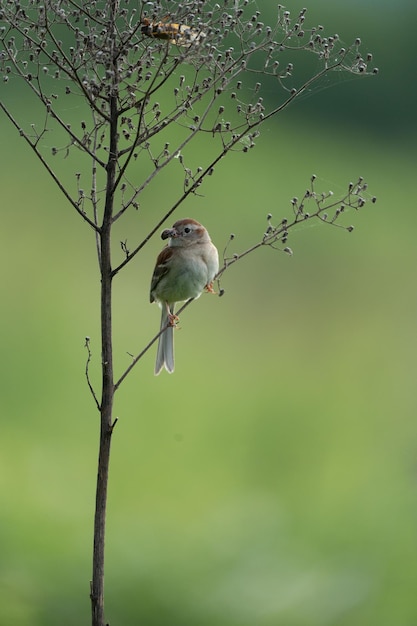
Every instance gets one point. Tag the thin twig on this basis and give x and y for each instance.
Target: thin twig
(49, 169)
(137, 358)
(87, 373)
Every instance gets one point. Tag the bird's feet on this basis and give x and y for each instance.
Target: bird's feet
(173, 319)
(209, 288)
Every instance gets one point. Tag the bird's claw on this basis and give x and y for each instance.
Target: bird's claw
(209, 288)
(173, 319)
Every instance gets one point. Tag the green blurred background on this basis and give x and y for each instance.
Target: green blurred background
(271, 481)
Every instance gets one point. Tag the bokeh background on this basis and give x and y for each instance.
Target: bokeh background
(271, 481)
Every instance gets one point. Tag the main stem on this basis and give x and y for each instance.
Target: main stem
(97, 586)
(108, 389)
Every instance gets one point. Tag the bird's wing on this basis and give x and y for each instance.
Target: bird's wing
(161, 269)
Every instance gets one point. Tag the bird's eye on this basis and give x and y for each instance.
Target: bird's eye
(187, 230)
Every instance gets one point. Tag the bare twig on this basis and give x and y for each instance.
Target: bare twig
(50, 171)
(87, 373)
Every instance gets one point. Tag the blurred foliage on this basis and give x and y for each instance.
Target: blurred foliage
(272, 479)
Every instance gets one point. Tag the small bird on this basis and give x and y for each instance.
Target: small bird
(184, 269)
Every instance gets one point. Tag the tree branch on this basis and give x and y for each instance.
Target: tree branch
(49, 169)
(87, 372)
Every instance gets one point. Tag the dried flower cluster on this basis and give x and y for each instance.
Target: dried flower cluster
(325, 207)
(198, 66)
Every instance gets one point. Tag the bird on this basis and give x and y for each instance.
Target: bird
(184, 269)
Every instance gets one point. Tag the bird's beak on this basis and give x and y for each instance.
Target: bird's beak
(169, 232)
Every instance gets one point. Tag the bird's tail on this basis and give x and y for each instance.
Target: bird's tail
(165, 352)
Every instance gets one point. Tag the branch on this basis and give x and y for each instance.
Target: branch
(327, 210)
(168, 214)
(72, 75)
(137, 358)
(159, 167)
(49, 169)
(87, 374)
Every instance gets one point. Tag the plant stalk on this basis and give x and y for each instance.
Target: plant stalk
(108, 388)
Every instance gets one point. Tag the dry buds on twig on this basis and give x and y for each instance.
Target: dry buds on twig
(324, 207)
